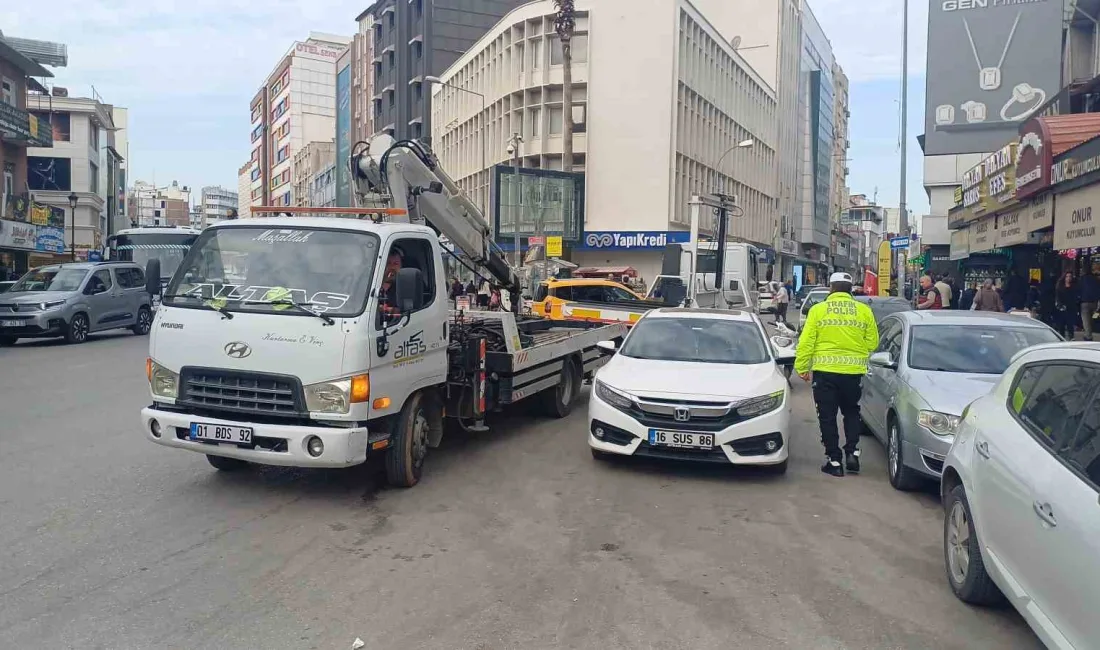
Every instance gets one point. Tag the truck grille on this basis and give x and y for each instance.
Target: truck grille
(241, 392)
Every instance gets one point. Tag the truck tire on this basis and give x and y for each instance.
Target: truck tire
(226, 464)
(558, 400)
(409, 444)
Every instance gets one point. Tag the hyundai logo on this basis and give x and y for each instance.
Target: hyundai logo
(237, 350)
(681, 414)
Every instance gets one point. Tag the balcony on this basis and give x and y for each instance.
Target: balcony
(20, 127)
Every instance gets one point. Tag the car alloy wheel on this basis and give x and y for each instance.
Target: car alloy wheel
(78, 329)
(958, 543)
(145, 320)
(894, 450)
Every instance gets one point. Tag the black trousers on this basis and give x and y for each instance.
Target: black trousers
(833, 391)
(781, 312)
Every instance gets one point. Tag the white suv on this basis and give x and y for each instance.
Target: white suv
(1020, 487)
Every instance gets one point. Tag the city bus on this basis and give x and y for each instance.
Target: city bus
(169, 244)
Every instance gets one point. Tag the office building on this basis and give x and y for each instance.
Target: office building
(160, 206)
(296, 105)
(409, 41)
(308, 162)
(244, 188)
(217, 204)
(625, 209)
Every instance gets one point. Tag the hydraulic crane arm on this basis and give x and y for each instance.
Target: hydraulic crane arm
(406, 175)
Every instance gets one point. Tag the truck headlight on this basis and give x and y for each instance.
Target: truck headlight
(755, 406)
(162, 381)
(613, 397)
(338, 395)
(941, 424)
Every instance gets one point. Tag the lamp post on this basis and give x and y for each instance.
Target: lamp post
(513, 149)
(723, 213)
(481, 122)
(73, 198)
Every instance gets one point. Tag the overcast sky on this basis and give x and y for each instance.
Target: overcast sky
(187, 70)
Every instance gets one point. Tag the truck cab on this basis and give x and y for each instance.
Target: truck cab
(274, 335)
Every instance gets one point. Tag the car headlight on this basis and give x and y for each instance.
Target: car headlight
(338, 395)
(53, 304)
(162, 381)
(755, 406)
(613, 397)
(938, 423)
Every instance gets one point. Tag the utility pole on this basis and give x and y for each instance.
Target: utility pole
(513, 148)
(904, 137)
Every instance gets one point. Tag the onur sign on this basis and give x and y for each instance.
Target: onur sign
(1075, 221)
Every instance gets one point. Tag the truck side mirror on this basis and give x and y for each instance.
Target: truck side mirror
(152, 277)
(410, 290)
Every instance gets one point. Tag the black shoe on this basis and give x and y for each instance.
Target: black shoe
(851, 462)
(833, 468)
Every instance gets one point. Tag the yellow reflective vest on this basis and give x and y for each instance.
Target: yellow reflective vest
(840, 333)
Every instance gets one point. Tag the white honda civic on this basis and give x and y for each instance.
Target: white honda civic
(694, 384)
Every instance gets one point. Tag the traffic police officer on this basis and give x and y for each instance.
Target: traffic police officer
(839, 335)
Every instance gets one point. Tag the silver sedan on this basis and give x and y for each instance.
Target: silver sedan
(928, 367)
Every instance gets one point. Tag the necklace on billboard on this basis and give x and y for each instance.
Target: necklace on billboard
(989, 78)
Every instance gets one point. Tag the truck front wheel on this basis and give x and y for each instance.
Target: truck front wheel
(410, 442)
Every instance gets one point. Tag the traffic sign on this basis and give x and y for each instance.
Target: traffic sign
(899, 242)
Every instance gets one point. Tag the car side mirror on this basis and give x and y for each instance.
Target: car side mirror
(410, 290)
(607, 347)
(882, 360)
(152, 277)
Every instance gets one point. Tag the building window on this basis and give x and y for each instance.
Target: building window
(534, 119)
(257, 132)
(7, 91)
(255, 173)
(390, 95)
(556, 123)
(580, 118)
(580, 49)
(418, 91)
(536, 54)
(93, 136)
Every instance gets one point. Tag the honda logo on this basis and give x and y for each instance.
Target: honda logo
(237, 350)
(681, 414)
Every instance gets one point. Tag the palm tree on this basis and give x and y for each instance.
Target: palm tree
(565, 22)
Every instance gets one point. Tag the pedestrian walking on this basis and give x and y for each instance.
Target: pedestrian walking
(839, 335)
(1067, 306)
(930, 296)
(966, 300)
(782, 300)
(946, 293)
(457, 289)
(1090, 299)
(988, 299)
(483, 294)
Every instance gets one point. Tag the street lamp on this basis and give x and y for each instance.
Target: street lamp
(73, 198)
(723, 214)
(481, 120)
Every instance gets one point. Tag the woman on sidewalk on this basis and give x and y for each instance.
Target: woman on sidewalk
(1066, 308)
(987, 298)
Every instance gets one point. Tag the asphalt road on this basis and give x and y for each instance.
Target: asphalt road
(514, 539)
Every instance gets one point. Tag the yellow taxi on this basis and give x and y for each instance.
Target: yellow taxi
(554, 294)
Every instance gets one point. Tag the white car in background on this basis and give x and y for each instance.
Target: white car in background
(765, 301)
(812, 298)
(694, 384)
(1020, 488)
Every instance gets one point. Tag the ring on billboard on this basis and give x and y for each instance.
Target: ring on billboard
(1026, 94)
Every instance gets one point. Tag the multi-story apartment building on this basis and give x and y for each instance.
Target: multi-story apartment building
(667, 70)
(296, 105)
(411, 40)
(164, 206)
(83, 161)
(839, 187)
(217, 203)
(308, 162)
(322, 187)
(244, 188)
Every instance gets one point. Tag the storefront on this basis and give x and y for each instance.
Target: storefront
(17, 241)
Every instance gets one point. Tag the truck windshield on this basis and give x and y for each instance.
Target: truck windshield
(259, 268)
(169, 248)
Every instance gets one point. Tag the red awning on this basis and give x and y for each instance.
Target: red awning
(1065, 132)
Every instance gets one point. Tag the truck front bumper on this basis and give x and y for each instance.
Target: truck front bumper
(273, 444)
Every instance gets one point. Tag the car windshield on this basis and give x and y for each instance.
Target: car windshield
(50, 279)
(813, 298)
(979, 348)
(701, 340)
(247, 268)
(883, 307)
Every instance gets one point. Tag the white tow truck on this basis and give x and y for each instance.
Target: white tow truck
(315, 342)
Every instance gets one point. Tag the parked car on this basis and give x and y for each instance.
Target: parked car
(803, 291)
(811, 299)
(929, 365)
(694, 384)
(883, 306)
(74, 300)
(765, 300)
(1020, 489)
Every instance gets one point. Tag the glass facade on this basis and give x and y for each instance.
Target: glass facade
(817, 99)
